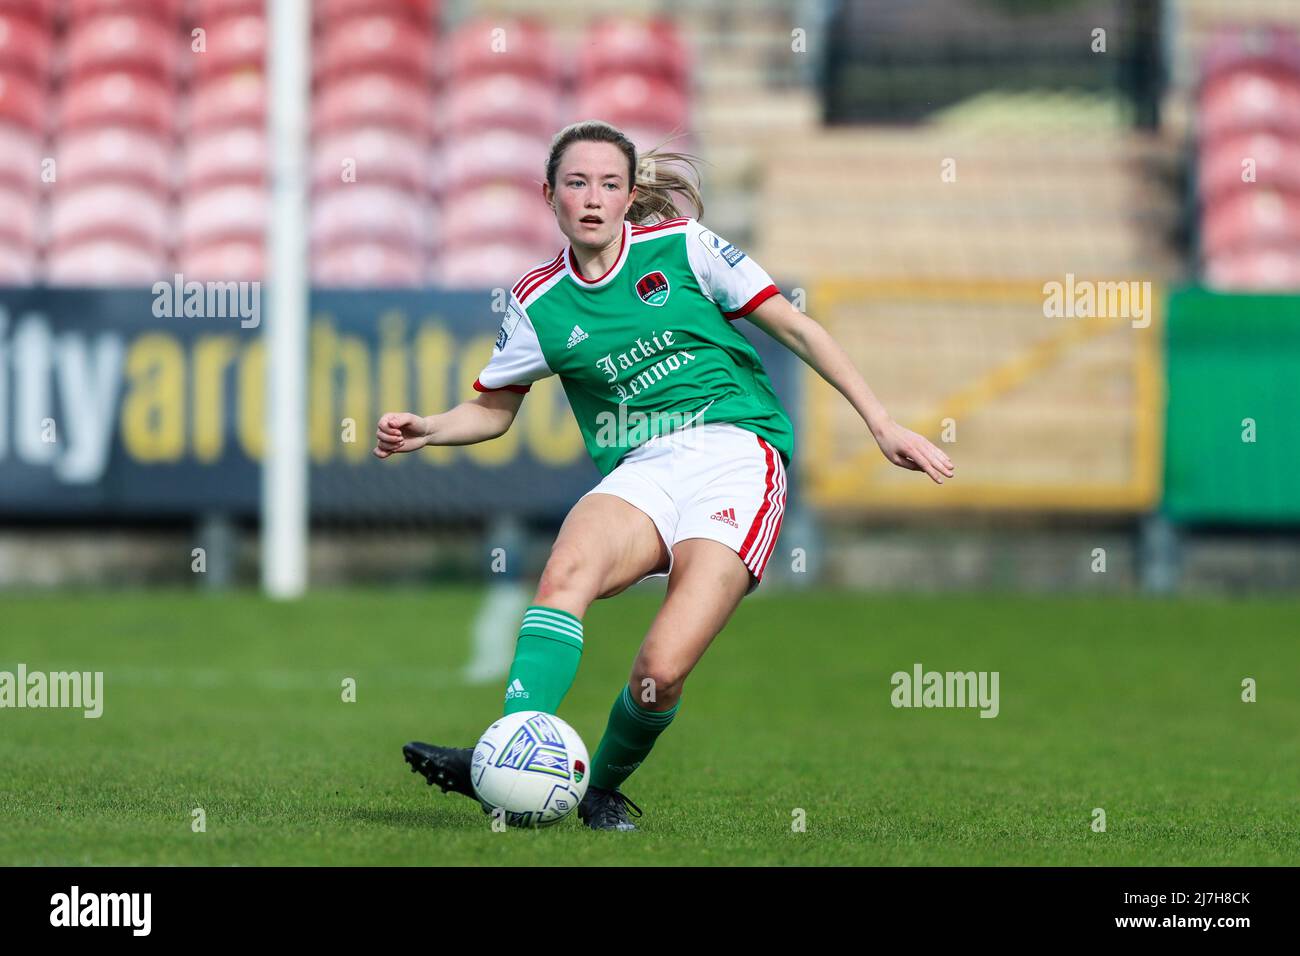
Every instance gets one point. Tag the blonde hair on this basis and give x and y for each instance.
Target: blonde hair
(660, 180)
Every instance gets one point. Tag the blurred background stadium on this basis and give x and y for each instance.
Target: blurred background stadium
(915, 175)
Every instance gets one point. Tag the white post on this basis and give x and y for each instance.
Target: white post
(284, 466)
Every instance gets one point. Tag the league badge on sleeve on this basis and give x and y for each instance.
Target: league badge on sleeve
(719, 247)
(712, 242)
(507, 326)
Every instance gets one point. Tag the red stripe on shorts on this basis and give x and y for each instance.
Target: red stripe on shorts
(779, 515)
(763, 509)
(768, 537)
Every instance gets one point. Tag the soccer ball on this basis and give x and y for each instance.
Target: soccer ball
(532, 766)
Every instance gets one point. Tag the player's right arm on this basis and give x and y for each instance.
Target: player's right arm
(482, 418)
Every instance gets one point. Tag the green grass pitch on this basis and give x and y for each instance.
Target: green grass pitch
(233, 704)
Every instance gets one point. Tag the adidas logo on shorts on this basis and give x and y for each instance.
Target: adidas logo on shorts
(576, 336)
(726, 516)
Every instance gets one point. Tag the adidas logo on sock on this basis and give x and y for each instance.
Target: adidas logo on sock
(726, 516)
(516, 689)
(576, 336)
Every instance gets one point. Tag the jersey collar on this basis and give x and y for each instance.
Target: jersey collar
(571, 265)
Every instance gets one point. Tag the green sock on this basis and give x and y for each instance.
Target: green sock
(630, 734)
(546, 660)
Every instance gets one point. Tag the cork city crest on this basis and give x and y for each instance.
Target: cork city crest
(653, 288)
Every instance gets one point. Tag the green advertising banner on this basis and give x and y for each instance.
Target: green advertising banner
(1233, 429)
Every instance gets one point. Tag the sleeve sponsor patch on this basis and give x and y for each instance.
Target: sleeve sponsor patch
(508, 324)
(719, 248)
(732, 255)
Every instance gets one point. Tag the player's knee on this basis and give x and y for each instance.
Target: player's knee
(566, 576)
(657, 685)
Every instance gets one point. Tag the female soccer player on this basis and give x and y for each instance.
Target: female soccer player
(676, 410)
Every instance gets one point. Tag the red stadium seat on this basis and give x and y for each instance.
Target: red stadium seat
(1258, 269)
(234, 99)
(497, 213)
(488, 265)
(1248, 99)
(121, 154)
(157, 10)
(17, 264)
(21, 155)
(18, 210)
(38, 11)
(222, 213)
(118, 99)
(1259, 216)
(106, 262)
(25, 46)
(122, 43)
(373, 99)
(362, 211)
(626, 45)
(385, 44)
(234, 261)
(22, 102)
(504, 100)
(233, 154)
(420, 12)
(210, 11)
(634, 99)
(1251, 44)
(372, 155)
(232, 44)
(490, 45)
(498, 154)
(1276, 163)
(113, 210)
(367, 264)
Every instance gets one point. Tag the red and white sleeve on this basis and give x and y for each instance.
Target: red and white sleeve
(517, 360)
(734, 281)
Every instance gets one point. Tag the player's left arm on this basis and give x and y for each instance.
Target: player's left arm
(809, 340)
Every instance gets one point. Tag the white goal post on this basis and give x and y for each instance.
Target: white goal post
(284, 504)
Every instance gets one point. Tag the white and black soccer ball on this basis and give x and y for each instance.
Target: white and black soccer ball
(532, 766)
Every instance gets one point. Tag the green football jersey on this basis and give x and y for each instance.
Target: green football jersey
(648, 348)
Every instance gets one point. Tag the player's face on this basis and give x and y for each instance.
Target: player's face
(591, 194)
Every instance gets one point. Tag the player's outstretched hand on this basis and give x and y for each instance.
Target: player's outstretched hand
(907, 449)
(399, 431)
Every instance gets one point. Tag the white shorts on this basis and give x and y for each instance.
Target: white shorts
(715, 481)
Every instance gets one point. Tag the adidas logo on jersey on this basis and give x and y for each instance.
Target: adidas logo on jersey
(516, 689)
(576, 336)
(726, 516)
